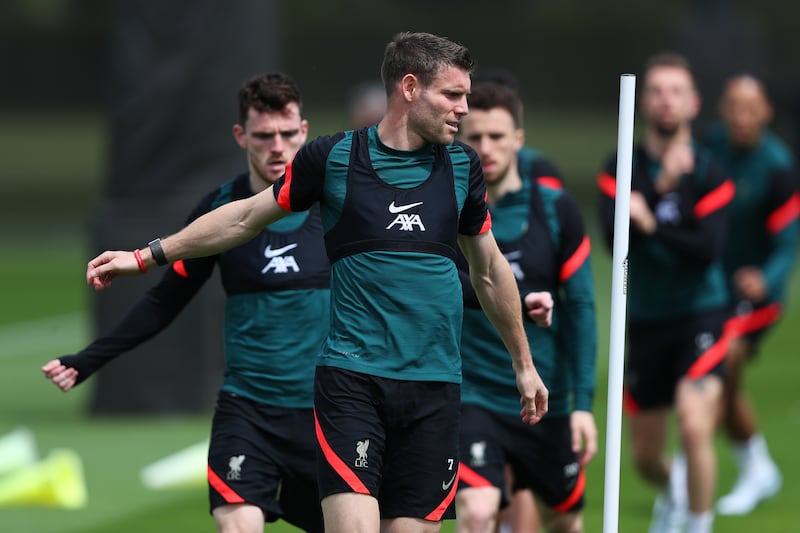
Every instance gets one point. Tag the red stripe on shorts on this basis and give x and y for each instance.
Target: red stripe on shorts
(574, 496)
(711, 357)
(751, 322)
(472, 478)
(224, 490)
(437, 513)
(336, 462)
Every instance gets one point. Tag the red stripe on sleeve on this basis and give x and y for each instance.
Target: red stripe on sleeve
(180, 268)
(575, 495)
(437, 513)
(335, 461)
(222, 488)
(471, 477)
(784, 215)
(283, 195)
(577, 259)
(487, 224)
(715, 200)
(551, 182)
(607, 184)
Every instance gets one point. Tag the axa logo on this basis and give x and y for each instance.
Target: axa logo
(278, 262)
(361, 450)
(235, 467)
(405, 221)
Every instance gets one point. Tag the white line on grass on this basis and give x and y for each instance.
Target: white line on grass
(46, 337)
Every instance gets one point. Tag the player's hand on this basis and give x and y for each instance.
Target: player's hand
(750, 283)
(677, 160)
(62, 376)
(102, 270)
(533, 395)
(540, 308)
(584, 436)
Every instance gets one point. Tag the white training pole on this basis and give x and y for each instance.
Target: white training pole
(619, 271)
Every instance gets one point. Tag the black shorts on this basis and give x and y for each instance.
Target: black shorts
(661, 353)
(266, 456)
(395, 440)
(540, 457)
(752, 321)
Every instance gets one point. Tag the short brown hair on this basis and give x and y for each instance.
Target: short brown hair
(421, 54)
(270, 92)
(668, 59)
(488, 95)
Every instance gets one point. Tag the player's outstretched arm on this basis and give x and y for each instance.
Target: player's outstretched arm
(497, 291)
(223, 228)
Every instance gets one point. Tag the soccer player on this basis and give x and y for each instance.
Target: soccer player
(397, 200)
(366, 104)
(540, 230)
(677, 295)
(262, 435)
(759, 255)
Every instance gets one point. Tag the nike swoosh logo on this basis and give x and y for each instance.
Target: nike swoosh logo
(269, 253)
(446, 486)
(400, 208)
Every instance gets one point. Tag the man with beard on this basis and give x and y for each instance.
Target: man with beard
(398, 200)
(677, 296)
(282, 275)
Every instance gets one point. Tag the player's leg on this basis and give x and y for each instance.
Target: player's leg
(350, 511)
(243, 474)
(698, 398)
(350, 449)
(477, 509)
(569, 522)
(522, 513)
(650, 388)
(421, 460)
(543, 461)
(758, 476)
(482, 474)
(739, 416)
(697, 402)
(238, 518)
(299, 494)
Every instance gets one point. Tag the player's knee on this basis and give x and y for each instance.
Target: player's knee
(564, 523)
(476, 511)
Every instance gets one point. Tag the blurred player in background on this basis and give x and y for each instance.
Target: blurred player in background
(366, 104)
(677, 296)
(540, 231)
(759, 256)
(521, 513)
(262, 453)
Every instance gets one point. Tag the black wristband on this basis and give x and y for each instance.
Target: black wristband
(157, 252)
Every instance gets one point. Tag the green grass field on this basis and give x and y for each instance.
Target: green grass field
(45, 314)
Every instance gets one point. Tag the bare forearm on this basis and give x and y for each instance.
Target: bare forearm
(226, 227)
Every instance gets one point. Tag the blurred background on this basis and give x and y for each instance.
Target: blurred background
(115, 118)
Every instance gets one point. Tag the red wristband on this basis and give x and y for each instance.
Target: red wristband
(139, 261)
